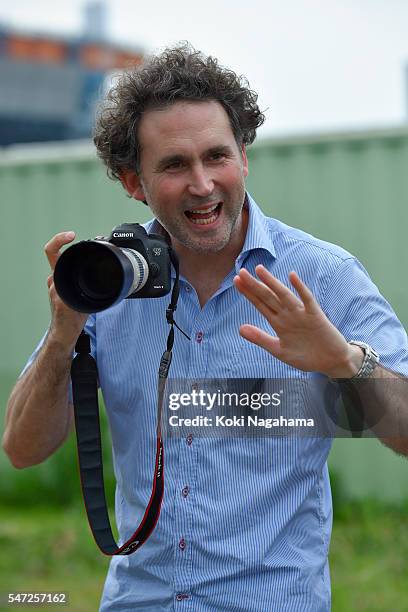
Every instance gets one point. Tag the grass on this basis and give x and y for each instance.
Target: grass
(53, 550)
(369, 558)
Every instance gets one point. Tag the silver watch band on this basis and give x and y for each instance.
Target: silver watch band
(370, 361)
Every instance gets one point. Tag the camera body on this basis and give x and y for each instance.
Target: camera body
(154, 249)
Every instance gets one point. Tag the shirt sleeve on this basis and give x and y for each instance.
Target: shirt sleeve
(90, 329)
(355, 306)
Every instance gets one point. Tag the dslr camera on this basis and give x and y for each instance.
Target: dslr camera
(93, 275)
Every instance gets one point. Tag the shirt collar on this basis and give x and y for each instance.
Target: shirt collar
(257, 236)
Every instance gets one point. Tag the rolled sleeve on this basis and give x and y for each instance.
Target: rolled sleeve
(355, 306)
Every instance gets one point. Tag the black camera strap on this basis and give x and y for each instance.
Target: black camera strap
(84, 377)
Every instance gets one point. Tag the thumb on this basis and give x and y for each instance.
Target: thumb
(261, 338)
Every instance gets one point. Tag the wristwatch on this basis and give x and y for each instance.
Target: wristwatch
(370, 361)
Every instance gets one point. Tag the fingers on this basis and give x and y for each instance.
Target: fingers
(304, 292)
(272, 292)
(52, 248)
(285, 296)
(52, 294)
(265, 310)
(257, 292)
(66, 323)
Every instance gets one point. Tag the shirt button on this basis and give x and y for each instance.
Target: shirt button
(181, 596)
(189, 439)
(182, 544)
(199, 336)
(194, 387)
(188, 289)
(185, 491)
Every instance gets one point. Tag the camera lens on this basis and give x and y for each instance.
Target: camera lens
(93, 275)
(101, 278)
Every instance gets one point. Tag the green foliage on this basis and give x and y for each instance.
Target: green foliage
(368, 554)
(53, 550)
(339, 495)
(55, 482)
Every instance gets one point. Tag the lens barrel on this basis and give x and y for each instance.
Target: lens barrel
(93, 275)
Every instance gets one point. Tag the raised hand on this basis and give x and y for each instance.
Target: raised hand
(305, 338)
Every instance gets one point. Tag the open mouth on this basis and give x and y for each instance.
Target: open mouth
(204, 216)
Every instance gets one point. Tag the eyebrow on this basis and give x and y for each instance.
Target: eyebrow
(171, 159)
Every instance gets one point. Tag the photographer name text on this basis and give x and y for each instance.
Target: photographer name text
(239, 421)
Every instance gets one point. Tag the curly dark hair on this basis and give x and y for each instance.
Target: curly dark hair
(179, 73)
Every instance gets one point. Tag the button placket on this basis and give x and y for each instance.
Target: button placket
(182, 596)
(184, 540)
(184, 502)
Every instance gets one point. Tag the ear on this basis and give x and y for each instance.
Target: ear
(133, 185)
(244, 160)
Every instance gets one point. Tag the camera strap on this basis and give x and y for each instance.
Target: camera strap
(84, 375)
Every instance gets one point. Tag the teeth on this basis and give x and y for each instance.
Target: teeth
(204, 211)
(204, 221)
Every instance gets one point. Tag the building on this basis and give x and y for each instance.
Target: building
(50, 84)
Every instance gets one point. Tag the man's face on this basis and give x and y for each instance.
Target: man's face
(190, 162)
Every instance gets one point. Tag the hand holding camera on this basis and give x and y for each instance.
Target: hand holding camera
(66, 323)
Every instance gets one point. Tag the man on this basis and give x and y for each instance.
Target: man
(245, 523)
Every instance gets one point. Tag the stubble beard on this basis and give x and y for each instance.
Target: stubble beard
(178, 230)
(209, 244)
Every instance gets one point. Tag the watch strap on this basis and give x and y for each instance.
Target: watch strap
(370, 361)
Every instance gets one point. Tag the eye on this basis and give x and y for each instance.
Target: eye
(176, 165)
(217, 156)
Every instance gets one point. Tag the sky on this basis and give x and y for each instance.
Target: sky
(317, 65)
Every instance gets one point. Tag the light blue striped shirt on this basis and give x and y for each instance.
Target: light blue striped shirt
(245, 523)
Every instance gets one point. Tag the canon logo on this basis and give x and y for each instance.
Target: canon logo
(123, 234)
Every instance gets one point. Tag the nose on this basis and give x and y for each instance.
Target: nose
(200, 184)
